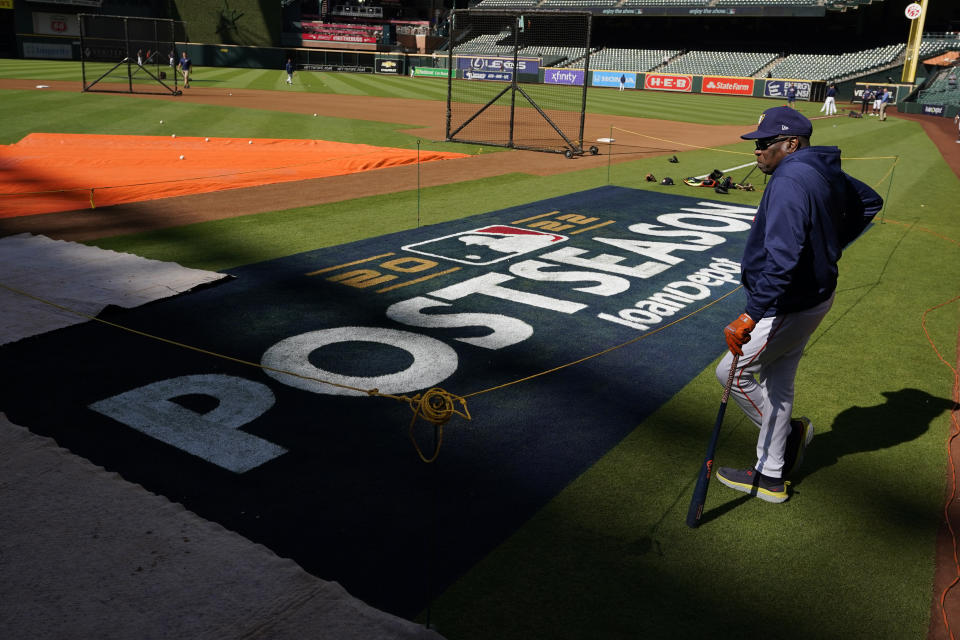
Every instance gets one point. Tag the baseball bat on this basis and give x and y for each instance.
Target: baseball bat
(706, 470)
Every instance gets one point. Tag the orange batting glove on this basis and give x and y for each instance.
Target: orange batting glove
(737, 333)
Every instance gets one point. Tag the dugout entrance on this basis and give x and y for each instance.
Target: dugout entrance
(134, 50)
(518, 79)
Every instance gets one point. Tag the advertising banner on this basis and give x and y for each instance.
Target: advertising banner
(778, 89)
(388, 66)
(668, 82)
(612, 79)
(47, 50)
(347, 68)
(893, 89)
(501, 76)
(55, 24)
(563, 76)
(933, 109)
(283, 445)
(732, 86)
(430, 72)
(338, 37)
(493, 63)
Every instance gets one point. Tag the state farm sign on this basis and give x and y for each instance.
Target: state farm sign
(668, 82)
(736, 86)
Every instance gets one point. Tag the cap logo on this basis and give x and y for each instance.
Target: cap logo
(784, 127)
(762, 116)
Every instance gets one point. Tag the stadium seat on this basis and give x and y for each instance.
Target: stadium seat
(723, 63)
(626, 59)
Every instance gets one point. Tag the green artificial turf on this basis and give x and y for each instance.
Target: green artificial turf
(849, 556)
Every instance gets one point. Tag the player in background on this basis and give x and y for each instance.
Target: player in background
(185, 67)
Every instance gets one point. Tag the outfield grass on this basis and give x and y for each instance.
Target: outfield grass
(850, 556)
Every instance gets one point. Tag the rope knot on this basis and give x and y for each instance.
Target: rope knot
(436, 406)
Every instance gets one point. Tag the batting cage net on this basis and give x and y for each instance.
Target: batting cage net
(133, 55)
(517, 79)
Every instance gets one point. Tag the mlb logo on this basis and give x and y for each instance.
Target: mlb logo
(486, 245)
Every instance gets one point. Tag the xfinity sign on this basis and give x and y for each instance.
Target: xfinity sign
(563, 76)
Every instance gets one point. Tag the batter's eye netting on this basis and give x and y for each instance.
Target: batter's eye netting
(517, 79)
(134, 50)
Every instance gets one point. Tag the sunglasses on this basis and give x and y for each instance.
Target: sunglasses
(764, 143)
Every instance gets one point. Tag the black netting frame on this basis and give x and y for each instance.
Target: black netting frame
(109, 45)
(515, 109)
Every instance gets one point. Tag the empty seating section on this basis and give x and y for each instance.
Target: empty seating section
(555, 56)
(930, 47)
(490, 45)
(656, 3)
(626, 59)
(506, 4)
(575, 5)
(829, 67)
(792, 3)
(587, 4)
(487, 45)
(943, 89)
(807, 65)
(723, 63)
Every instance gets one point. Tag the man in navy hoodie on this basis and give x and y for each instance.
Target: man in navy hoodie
(809, 211)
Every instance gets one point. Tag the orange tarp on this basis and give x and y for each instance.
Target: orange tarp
(47, 172)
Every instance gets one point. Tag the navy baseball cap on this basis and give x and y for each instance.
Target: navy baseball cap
(780, 121)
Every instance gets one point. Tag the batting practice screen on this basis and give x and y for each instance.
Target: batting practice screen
(136, 49)
(517, 79)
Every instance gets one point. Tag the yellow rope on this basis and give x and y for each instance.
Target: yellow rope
(694, 146)
(896, 159)
(436, 407)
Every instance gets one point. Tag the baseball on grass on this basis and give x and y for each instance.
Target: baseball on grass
(314, 115)
(161, 122)
(173, 135)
